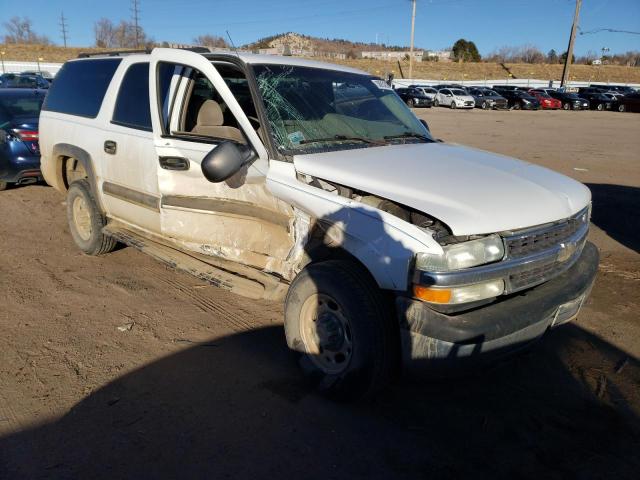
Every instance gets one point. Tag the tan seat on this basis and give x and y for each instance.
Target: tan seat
(210, 123)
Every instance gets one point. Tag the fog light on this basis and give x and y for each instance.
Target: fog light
(457, 295)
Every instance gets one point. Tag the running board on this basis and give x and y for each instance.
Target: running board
(262, 285)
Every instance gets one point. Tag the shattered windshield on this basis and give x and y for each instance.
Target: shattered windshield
(312, 109)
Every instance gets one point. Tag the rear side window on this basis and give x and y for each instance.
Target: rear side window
(132, 105)
(79, 87)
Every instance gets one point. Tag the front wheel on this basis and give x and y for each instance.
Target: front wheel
(436, 103)
(484, 105)
(566, 106)
(453, 105)
(621, 108)
(410, 102)
(337, 321)
(516, 106)
(86, 221)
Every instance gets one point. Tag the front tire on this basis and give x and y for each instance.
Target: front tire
(566, 106)
(337, 321)
(484, 105)
(600, 107)
(621, 108)
(516, 106)
(410, 103)
(86, 221)
(453, 105)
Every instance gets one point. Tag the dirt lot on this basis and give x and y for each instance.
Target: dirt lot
(116, 367)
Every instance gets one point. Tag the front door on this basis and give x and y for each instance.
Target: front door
(196, 110)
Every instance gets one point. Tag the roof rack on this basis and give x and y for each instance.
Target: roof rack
(118, 53)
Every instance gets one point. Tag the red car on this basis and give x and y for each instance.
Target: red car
(546, 102)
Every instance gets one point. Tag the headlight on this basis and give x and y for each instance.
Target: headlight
(457, 295)
(462, 255)
(526, 101)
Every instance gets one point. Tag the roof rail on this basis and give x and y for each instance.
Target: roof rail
(118, 53)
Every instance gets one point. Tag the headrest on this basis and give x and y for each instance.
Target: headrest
(210, 114)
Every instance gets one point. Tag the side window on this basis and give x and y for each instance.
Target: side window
(80, 86)
(132, 105)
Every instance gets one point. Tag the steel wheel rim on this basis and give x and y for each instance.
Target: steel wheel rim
(82, 218)
(326, 333)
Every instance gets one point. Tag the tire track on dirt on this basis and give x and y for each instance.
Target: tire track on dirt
(205, 304)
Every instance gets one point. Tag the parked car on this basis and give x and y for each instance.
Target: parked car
(497, 101)
(427, 90)
(547, 102)
(630, 102)
(623, 89)
(519, 99)
(616, 101)
(389, 248)
(597, 100)
(42, 73)
(499, 88)
(570, 101)
(454, 98)
(19, 151)
(481, 99)
(11, 80)
(414, 97)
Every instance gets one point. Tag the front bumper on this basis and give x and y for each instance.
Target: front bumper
(433, 339)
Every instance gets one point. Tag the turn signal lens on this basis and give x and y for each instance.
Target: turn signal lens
(457, 295)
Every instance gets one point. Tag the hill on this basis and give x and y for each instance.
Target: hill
(427, 70)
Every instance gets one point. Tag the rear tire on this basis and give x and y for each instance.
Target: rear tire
(453, 105)
(85, 220)
(410, 103)
(436, 103)
(566, 106)
(338, 323)
(600, 107)
(621, 108)
(516, 106)
(484, 105)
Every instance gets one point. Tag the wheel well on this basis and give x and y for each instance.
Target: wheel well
(71, 170)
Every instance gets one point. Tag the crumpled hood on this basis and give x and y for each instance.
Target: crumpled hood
(472, 191)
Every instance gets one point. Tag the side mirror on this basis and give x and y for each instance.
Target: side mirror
(426, 125)
(225, 160)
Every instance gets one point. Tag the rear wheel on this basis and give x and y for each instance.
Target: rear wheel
(337, 321)
(484, 105)
(516, 106)
(85, 220)
(621, 108)
(566, 106)
(411, 102)
(453, 105)
(436, 103)
(600, 107)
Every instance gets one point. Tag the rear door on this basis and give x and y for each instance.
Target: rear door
(193, 111)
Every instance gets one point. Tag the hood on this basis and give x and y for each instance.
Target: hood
(465, 98)
(472, 191)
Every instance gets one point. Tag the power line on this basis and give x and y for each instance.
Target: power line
(611, 30)
(135, 12)
(63, 28)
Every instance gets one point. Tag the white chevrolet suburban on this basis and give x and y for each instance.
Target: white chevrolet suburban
(282, 178)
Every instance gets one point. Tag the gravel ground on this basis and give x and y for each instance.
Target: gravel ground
(117, 367)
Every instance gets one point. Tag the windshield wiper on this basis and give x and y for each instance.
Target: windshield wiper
(409, 135)
(342, 138)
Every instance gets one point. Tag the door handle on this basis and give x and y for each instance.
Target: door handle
(110, 147)
(174, 163)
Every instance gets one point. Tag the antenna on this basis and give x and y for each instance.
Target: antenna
(232, 44)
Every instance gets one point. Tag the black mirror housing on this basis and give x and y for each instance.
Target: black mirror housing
(225, 160)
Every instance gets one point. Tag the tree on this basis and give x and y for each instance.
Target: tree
(19, 30)
(123, 35)
(552, 56)
(531, 54)
(466, 51)
(211, 41)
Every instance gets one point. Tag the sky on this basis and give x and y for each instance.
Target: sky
(439, 23)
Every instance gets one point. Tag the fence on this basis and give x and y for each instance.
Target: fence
(520, 82)
(17, 67)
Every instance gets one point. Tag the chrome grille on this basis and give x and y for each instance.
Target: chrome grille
(531, 242)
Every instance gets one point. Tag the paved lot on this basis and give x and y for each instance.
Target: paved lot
(198, 384)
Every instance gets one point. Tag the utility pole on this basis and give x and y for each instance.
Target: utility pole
(135, 11)
(572, 38)
(63, 28)
(413, 27)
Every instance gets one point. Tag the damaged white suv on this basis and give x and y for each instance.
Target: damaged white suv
(282, 178)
